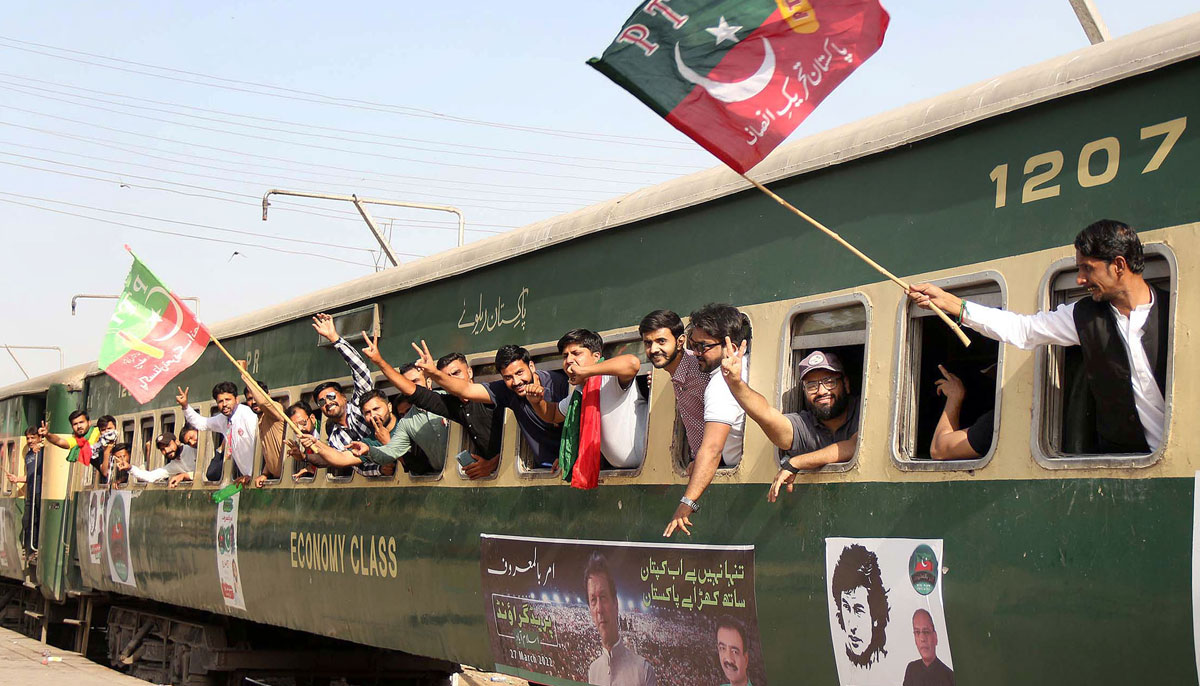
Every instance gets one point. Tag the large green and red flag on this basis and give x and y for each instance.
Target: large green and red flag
(151, 337)
(738, 76)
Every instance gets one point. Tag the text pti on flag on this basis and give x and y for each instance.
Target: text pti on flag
(739, 77)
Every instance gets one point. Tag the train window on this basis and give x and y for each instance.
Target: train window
(127, 434)
(837, 328)
(282, 400)
(351, 323)
(925, 347)
(630, 343)
(1064, 434)
(6, 451)
(216, 461)
(145, 447)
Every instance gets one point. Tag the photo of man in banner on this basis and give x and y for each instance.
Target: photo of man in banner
(622, 614)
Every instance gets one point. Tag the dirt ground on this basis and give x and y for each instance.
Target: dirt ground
(473, 677)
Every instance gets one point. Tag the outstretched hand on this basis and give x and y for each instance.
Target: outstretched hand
(371, 352)
(358, 448)
(950, 386)
(42, 430)
(680, 521)
(323, 324)
(425, 361)
(181, 397)
(784, 477)
(731, 362)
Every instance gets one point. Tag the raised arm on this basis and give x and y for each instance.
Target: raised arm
(949, 441)
(624, 367)
(841, 451)
(218, 422)
(777, 428)
(460, 388)
(323, 324)
(54, 439)
(327, 455)
(393, 375)
(1026, 331)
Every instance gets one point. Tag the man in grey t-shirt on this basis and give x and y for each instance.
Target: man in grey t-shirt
(824, 432)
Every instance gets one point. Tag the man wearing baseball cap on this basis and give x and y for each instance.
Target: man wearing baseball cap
(824, 432)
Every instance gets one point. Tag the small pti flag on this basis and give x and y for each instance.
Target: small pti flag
(738, 76)
(151, 337)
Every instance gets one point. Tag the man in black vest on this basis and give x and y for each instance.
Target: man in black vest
(1122, 331)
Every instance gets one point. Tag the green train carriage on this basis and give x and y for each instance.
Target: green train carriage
(1060, 567)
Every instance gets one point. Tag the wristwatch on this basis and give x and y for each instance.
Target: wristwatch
(786, 466)
(690, 503)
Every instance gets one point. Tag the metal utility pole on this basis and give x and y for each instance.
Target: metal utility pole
(88, 296)
(62, 360)
(1091, 21)
(359, 204)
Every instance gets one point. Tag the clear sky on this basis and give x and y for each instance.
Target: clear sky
(486, 106)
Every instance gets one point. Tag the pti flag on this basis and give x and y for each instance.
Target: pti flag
(739, 76)
(151, 337)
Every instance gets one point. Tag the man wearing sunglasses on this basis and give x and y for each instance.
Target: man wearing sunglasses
(724, 419)
(824, 432)
(346, 421)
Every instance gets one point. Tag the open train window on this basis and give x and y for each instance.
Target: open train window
(6, 453)
(140, 454)
(127, 434)
(681, 453)
(926, 345)
(630, 343)
(351, 324)
(216, 459)
(1064, 433)
(837, 328)
(483, 372)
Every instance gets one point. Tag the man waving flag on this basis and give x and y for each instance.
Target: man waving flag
(738, 76)
(151, 337)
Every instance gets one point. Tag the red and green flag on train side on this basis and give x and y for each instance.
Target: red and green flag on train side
(151, 337)
(738, 76)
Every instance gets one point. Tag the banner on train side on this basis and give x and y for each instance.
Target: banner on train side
(564, 612)
(95, 525)
(227, 553)
(116, 518)
(886, 618)
(10, 557)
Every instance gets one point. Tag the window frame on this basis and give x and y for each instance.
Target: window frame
(1039, 443)
(355, 336)
(617, 337)
(475, 362)
(787, 364)
(904, 371)
(535, 351)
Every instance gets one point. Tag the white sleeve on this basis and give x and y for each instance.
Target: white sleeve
(566, 401)
(218, 422)
(1026, 331)
(148, 476)
(719, 403)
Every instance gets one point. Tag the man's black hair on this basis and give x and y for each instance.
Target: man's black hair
(859, 567)
(582, 337)
(301, 405)
(327, 384)
(224, 387)
(31, 431)
(77, 413)
(106, 419)
(720, 320)
(164, 439)
(373, 394)
(450, 358)
(661, 319)
(406, 367)
(597, 565)
(187, 428)
(118, 447)
(731, 622)
(1108, 239)
(507, 354)
(263, 386)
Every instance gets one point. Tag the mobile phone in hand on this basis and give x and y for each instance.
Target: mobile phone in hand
(464, 458)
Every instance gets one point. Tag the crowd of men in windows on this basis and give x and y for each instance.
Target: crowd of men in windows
(591, 414)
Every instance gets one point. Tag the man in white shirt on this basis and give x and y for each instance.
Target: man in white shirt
(617, 664)
(724, 419)
(236, 422)
(178, 460)
(1122, 331)
(622, 408)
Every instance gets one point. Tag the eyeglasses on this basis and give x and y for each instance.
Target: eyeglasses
(701, 348)
(828, 383)
(324, 400)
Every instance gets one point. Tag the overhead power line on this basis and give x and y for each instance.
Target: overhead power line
(455, 147)
(318, 98)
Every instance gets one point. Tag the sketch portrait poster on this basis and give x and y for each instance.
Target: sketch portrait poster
(95, 525)
(886, 620)
(565, 612)
(117, 521)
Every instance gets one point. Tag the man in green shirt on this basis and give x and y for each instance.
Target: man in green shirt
(395, 437)
(733, 651)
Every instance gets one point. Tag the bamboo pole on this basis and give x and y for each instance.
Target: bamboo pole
(845, 244)
(254, 384)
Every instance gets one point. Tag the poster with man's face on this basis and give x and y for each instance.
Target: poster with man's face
(565, 612)
(886, 620)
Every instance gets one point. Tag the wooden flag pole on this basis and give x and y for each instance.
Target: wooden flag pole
(878, 267)
(251, 382)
